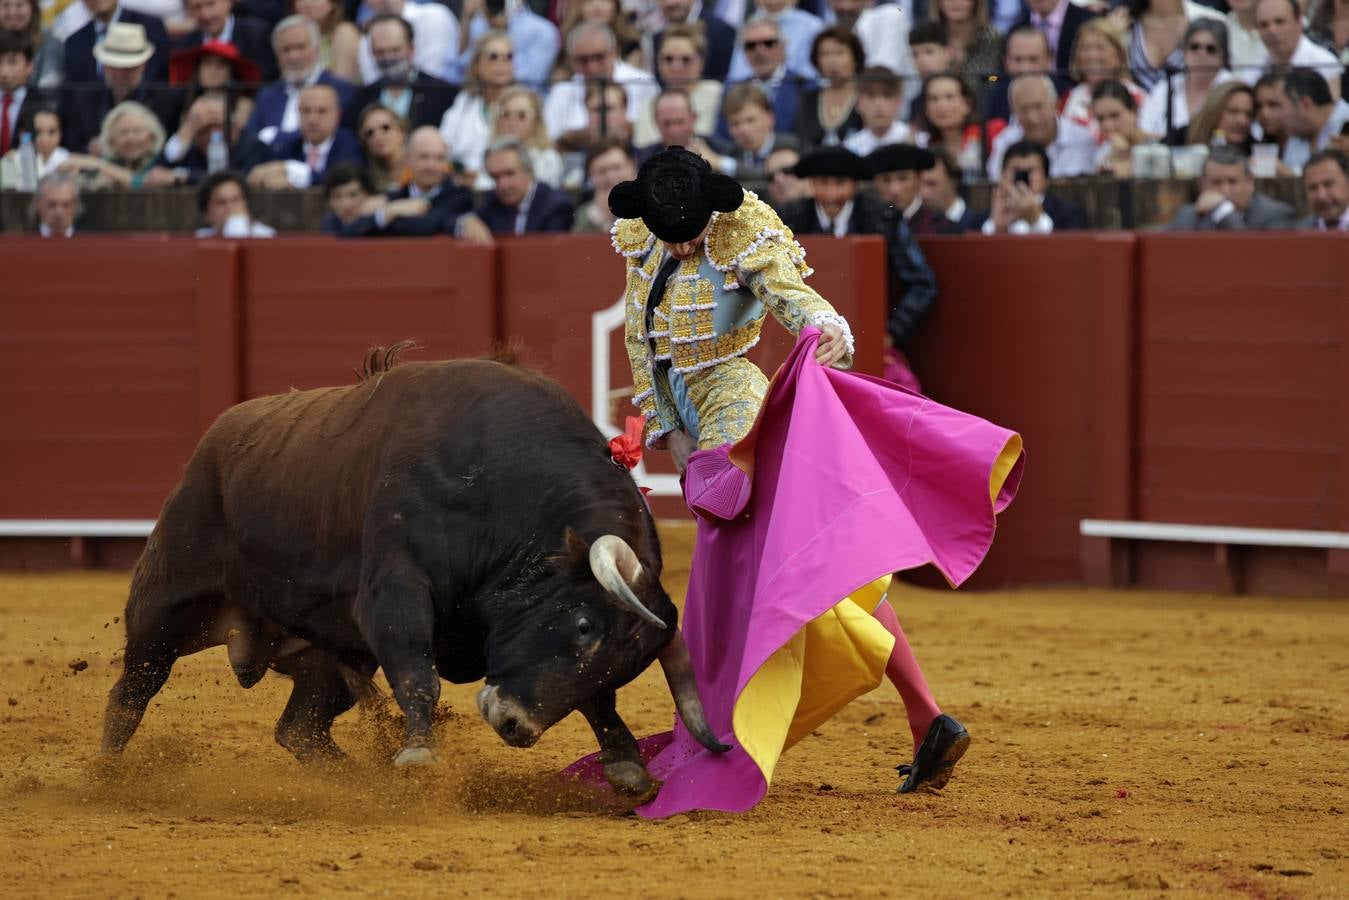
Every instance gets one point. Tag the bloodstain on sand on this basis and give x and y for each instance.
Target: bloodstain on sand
(1124, 743)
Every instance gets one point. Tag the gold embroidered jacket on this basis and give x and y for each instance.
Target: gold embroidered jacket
(704, 318)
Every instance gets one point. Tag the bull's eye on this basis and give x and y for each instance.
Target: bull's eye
(584, 627)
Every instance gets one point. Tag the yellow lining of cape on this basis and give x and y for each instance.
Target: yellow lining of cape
(1002, 466)
(835, 658)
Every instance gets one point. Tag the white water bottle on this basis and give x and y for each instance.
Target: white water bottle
(217, 154)
(27, 163)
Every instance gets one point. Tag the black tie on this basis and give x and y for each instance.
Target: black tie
(658, 289)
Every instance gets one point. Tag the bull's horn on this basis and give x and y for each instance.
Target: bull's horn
(616, 567)
(678, 668)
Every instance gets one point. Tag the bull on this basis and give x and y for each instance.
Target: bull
(460, 520)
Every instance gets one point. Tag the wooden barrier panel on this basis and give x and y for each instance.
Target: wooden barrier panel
(313, 307)
(1244, 368)
(106, 351)
(1033, 333)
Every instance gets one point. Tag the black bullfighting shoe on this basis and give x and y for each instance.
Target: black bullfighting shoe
(943, 745)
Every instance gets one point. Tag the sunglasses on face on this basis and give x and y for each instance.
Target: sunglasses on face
(766, 44)
(1210, 49)
(371, 131)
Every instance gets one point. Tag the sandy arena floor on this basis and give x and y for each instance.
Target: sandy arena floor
(1124, 743)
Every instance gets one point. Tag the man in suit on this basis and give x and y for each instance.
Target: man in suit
(433, 37)
(80, 65)
(765, 51)
(519, 203)
(719, 35)
(749, 115)
(301, 158)
(940, 187)
(675, 122)
(1228, 201)
(56, 205)
(185, 157)
(431, 204)
(17, 102)
(295, 40)
(1058, 21)
(421, 99)
(215, 21)
(1071, 147)
(895, 170)
(837, 207)
(1325, 179)
(124, 54)
(1020, 202)
(1025, 51)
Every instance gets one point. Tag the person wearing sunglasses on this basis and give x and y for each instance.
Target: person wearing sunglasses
(1171, 102)
(764, 50)
(680, 53)
(797, 30)
(717, 33)
(384, 137)
(535, 39)
(467, 124)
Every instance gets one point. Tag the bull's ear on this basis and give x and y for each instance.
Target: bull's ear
(577, 548)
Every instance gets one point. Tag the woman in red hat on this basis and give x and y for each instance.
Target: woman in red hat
(212, 66)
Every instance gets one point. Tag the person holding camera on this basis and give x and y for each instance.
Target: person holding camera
(1020, 204)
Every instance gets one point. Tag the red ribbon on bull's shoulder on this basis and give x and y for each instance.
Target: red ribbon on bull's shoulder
(626, 448)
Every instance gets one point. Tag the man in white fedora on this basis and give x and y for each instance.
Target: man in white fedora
(124, 53)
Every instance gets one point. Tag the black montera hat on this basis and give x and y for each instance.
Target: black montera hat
(899, 158)
(675, 194)
(833, 162)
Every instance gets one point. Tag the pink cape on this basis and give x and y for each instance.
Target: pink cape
(853, 478)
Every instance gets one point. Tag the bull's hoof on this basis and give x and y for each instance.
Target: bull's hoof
(414, 757)
(631, 780)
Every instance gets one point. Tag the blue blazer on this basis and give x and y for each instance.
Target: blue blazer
(551, 211)
(81, 65)
(345, 148)
(271, 102)
(450, 205)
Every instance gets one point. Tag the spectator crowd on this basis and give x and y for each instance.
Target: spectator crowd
(488, 118)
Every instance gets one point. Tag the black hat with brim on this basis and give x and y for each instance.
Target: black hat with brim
(833, 162)
(675, 194)
(899, 158)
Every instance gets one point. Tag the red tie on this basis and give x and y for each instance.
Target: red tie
(4, 122)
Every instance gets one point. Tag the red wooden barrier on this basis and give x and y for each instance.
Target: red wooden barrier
(1034, 333)
(312, 307)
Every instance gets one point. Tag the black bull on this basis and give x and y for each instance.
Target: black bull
(457, 520)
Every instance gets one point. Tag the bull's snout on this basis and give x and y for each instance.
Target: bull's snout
(508, 718)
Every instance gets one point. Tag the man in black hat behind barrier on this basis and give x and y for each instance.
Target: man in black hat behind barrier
(840, 208)
(895, 168)
(836, 207)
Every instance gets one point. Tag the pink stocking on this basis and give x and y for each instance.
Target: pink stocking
(904, 674)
